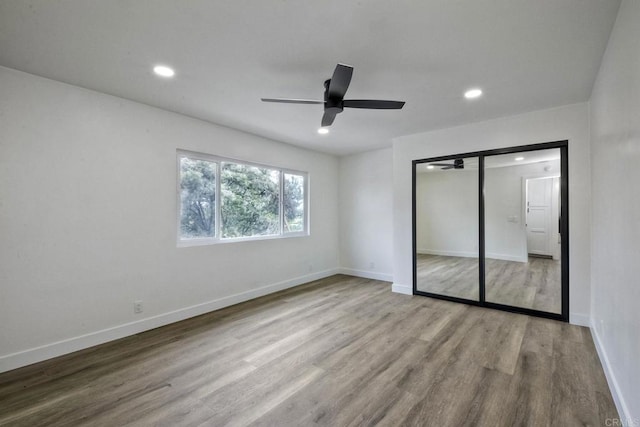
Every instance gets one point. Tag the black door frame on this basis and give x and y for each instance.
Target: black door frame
(564, 228)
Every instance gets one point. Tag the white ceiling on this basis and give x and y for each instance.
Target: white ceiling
(524, 54)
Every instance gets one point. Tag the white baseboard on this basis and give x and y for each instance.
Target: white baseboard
(464, 254)
(621, 405)
(580, 319)
(367, 274)
(461, 254)
(402, 289)
(48, 351)
(506, 257)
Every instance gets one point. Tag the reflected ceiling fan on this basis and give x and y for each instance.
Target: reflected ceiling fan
(334, 90)
(457, 164)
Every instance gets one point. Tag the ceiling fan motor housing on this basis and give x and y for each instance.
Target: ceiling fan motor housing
(334, 105)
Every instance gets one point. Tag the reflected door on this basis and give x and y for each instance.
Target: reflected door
(446, 233)
(539, 201)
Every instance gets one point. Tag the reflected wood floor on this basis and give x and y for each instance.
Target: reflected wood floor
(535, 284)
(341, 351)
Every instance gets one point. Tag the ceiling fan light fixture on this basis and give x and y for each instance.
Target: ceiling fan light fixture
(517, 159)
(323, 131)
(473, 93)
(164, 71)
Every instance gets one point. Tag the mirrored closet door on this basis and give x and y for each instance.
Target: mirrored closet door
(491, 229)
(522, 230)
(447, 258)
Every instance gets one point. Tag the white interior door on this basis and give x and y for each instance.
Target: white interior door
(539, 207)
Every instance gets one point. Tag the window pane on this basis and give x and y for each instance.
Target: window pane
(198, 198)
(250, 201)
(293, 203)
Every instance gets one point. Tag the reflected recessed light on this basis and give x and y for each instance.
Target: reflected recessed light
(164, 71)
(519, 158)
(323, 131)
(472, 93)
(430, 166)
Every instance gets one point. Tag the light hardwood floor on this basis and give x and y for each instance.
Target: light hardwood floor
(341, 351)
(534, 284)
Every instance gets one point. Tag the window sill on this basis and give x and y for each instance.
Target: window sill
(207, 242)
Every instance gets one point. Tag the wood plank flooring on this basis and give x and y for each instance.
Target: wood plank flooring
(534, 284)
(341, 351)
(448, 275)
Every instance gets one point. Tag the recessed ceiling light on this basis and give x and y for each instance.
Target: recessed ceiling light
(323, 131)
(164, 71)
(472, 93)
(519, 158)
(430, 166)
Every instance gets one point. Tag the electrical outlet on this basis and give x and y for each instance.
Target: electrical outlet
(137, 307)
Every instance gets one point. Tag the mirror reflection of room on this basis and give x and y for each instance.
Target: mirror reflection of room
(522, 230)
(447, 228)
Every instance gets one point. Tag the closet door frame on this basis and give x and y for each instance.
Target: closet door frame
(564, 229)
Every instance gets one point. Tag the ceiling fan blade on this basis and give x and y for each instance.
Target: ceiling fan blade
(328, 117)
(376, 104)
(292, 100)
(447, 168)
(340, 81)
(441, 164)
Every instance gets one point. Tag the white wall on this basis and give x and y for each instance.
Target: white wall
(562, 123)
(366, 235)
(504, 200)
(447, 213)
(615, 160)
(88, 220)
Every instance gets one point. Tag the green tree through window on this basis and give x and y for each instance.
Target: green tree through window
(293, 201)
(253, 200)
(198, 198)
(250, 204)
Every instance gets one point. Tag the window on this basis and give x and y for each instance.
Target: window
(227, 200)
(197, 198)
(293, 201)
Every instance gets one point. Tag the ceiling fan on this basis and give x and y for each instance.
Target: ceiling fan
(457, 164)
(334, 102)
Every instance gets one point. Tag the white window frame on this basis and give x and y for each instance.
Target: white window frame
(218, 160)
